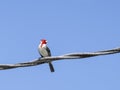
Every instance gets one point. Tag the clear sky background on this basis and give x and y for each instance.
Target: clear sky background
(69, 26)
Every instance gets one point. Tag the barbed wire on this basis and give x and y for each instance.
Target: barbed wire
(69, 56)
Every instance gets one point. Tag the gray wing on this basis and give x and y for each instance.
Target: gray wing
(49, 53)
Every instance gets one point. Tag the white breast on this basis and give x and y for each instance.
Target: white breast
(43, 51)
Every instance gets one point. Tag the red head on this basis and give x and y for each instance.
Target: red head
(43, 41)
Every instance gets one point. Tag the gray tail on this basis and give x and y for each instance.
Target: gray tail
(51, 67)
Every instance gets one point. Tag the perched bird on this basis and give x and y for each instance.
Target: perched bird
(44, 51)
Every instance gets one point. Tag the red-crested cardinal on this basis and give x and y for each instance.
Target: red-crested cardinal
(44, 51)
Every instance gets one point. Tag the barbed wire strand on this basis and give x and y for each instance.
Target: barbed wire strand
(69, 56)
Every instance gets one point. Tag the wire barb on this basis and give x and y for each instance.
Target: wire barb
(56, 58)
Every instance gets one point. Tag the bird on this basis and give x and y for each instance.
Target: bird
(44, 51)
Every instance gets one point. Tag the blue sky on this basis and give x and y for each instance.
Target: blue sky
(69, 26)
